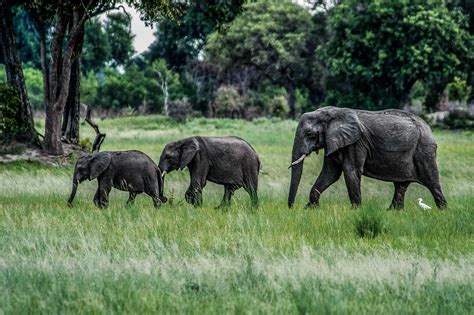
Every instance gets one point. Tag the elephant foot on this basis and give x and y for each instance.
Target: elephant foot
(222, 207)
(312, 205)
(395, 207)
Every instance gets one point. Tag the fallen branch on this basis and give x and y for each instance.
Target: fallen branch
(99, 138)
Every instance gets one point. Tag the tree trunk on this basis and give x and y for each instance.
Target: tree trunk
(70, 127)
(71, 116)
(25, 132)
(60, 78)
(164, 88)
(290, 90)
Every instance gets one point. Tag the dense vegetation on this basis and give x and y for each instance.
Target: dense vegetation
(274, 58)
(179, 259)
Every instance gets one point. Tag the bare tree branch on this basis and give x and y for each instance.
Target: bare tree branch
(99, 138)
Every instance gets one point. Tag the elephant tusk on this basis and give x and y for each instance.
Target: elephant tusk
(163, 174)
(298, 161)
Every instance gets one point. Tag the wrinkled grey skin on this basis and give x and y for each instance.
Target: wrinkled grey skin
(229, 161)
(390, 145)
(131, 171)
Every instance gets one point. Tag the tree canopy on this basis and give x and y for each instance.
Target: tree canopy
(378, 49)
(180, 40)
(270, 37)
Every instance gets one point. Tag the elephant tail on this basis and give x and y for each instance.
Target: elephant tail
(161, 185)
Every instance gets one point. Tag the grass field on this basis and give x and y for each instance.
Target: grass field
(179, 259)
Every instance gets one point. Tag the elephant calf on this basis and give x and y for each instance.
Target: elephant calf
(131, 171)
(229, 161)
(389, 145)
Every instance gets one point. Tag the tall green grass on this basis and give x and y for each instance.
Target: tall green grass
(179, 259)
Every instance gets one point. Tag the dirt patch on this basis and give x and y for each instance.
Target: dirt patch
(20, 152)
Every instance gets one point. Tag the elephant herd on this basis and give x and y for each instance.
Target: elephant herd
(389, 145)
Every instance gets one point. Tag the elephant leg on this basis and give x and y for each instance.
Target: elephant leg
(156, 201)
(352, 179)
(251, 187)
(328, 176)
(154, 193)
(437, 193)
(429, 177)
(252, 191)
(131, 198)
(104, 190)
(228, 192)
(97, 198)
(399, 195)
(194, 196)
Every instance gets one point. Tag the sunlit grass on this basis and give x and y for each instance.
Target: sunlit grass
(270, 260)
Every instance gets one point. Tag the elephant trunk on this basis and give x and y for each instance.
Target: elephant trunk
(296, 169)
(75, 183)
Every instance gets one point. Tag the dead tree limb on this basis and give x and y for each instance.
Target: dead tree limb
(99, 138)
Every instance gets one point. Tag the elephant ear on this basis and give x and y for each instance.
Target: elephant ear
(189, 150)
(99, 164)
(343, 130)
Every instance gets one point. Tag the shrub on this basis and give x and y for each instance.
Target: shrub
(228, 102)
(279, 106)
(368, 223)
(180, 110)
(459, 118)
(34, 86)
(459, 90)
(86, 144)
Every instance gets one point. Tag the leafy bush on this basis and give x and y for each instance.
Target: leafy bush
(180, 110)
(3, 75)
(369, 223)
(459, 118)
(459, 90)
(9, 104)
(279, 106)
(34, 86)
(86, 144)
(228, 102)
(262, 98)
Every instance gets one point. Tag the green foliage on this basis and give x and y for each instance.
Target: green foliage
(368, 223)
(97, 51)
(181, 39)
(120, 38)
(27, 41)
(119, 90)
(459, 90)
(34, 86)
(272, 37)
(228, 102)
(279, 106)
(380, 48)
(157, 73)
(9, 106)
(180, 110)
(89, 87)
(139, 87)
(3, 75)
(86, 144)
(459, 119)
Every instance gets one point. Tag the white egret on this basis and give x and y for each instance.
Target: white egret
(422, 205)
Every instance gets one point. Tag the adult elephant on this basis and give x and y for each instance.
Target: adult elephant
(389, 145)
